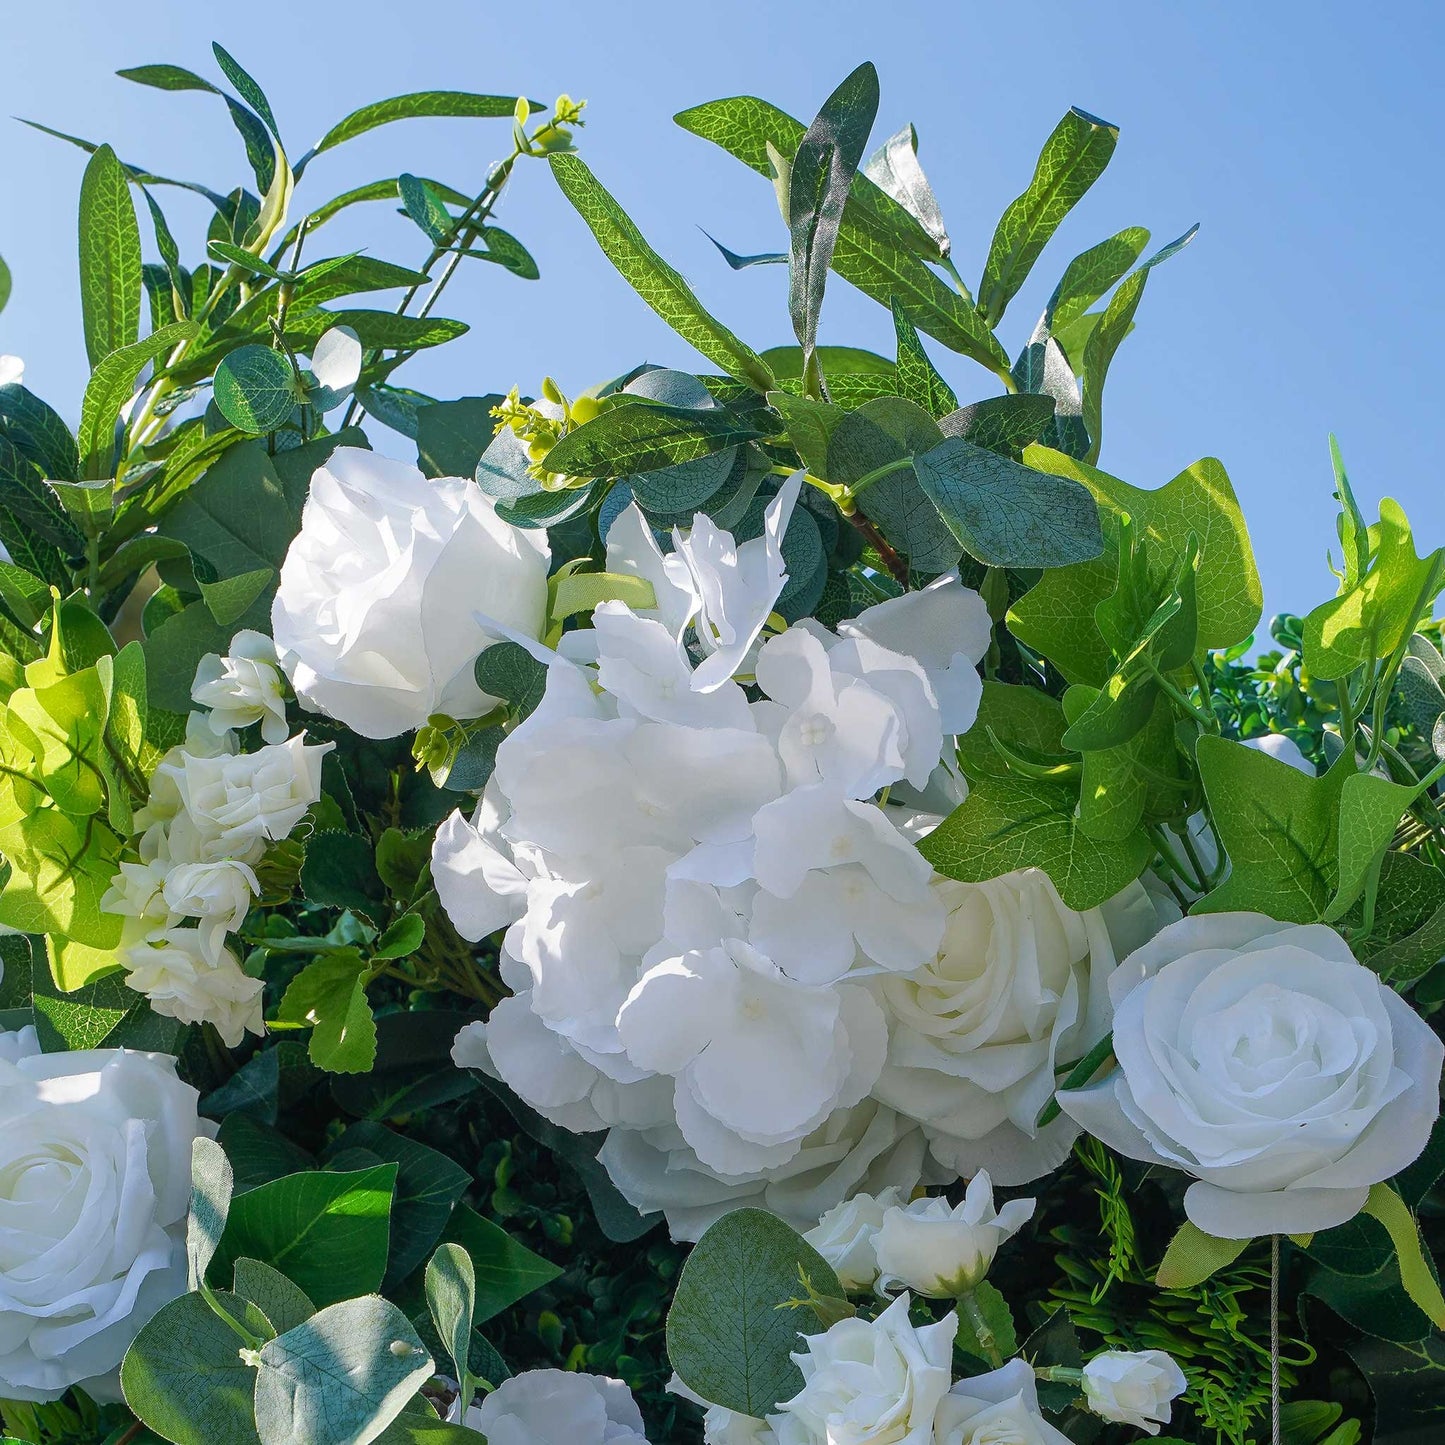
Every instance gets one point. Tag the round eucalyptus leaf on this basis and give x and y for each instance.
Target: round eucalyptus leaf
(674, 388)
(255, 389)
(686, 486)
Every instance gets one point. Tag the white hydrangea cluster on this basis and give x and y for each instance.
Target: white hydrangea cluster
(723, 945)
(213, 812)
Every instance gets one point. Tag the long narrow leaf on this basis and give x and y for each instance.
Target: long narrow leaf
(652, 278)
(454, 104)
(110, 387)
(110, 259)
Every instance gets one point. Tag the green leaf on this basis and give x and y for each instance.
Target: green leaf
(340, 872)
(451, 1297)
(1378, 613)
(39, 432)
(1056, 617)
(677, 492)
(1193, 1257)
(283, 1304)
(177, 644)
(403, 938)
(184, 1377)
(109, 388)
(895, 169)
(448, 103)
(1370, 810)
(167, 77)
(1012, 822)
(1009, 515)
(508, 252)
(508, 671)
(1280, 832)
(1408, 1385)
(5, 284)
(918, 378)
(1073, 158)
(260, 1153)
(822, 171)
(327, 1232)
(1415, 1272)
(329, 996)
(652, 278)
(1003, 424)
(249, 91)
(729, 1333)
(997, 1316)
(340, 1377)
(645, 436)
(428, 1186)
(110, 258)
(452, 435)
(212, 1183)
(424, 207)
(505, 1270)
(376, 330)
(256, 389)
(1091, 273)
(105, 1013)
(875, 239)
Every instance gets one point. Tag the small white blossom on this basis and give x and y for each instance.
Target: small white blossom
(243, 688)
(197, 979)
(999, 1408)
(1133, 1387)
(846, 1236)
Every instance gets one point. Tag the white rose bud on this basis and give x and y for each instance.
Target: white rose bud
(844, 1236)
(375, 619)
(1133, 1387)
(95, 1175)
(872, 1382)
(556, 1405)
(242, 688)
(944, 1251)
(999, 1408)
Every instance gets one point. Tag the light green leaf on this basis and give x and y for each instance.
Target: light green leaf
(1073, 158)
(110, 258)
(1279, 827)
(212, 1184)
(109, 388)
(403, 938)
(729, 1334)
(327, 1232)
(1193, 1257)
(1009, 515)
(329, 995)
(451, 1297)
(644, 436)
(1091, 273)
(341, 1377)
(652, 278)
(1056, 617)
(283, 1304)
(1415, 1273)
(583, 591)
(1370, 810)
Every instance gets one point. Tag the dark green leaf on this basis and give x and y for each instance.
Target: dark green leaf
(425, 208)
(450, 103)
(256, 389)
(1003, 424)
(645, 436)
(451, 436)
(508, 671)
(39, 433)
(340, 872)
(250, 92)
(918, 378)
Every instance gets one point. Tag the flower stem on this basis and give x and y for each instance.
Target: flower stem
(1274, 1407)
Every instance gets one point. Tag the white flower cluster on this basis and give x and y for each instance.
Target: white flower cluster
(212, 813)
(700, 891)
(723, 949)
(889, 1381)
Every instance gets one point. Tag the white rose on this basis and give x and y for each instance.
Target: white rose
(239, 802)
(867, 1147)
(1017, 989)
(846, 1234)
(194, 977)
(873, 1382)
(943, 1251)
(558, 1407)
(726, 1427)
(376, 617)
(1133, 1387)
(243, 688)
(1261, 1058)
(220, 890)
(95, 1175)
(999, 1408)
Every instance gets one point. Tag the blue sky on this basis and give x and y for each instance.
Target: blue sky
(1306, 138)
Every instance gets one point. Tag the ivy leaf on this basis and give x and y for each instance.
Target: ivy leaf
(110, 258)
(822, 171)
(1073, 158)
(651, 277)
(1370, 810)
(1279, 827)
(329, 996)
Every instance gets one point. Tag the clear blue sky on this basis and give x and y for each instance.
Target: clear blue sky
(1306, 137)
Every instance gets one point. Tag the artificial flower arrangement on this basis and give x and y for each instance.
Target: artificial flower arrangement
(765, 906)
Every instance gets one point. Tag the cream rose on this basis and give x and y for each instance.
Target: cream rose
(872, 1382)
(95, 1175)
(846, 1234)
(560, 1406)
(1261, 1058)
(1000, 1408)
(1019, 987)
(1133, 1387)
(376, 619)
